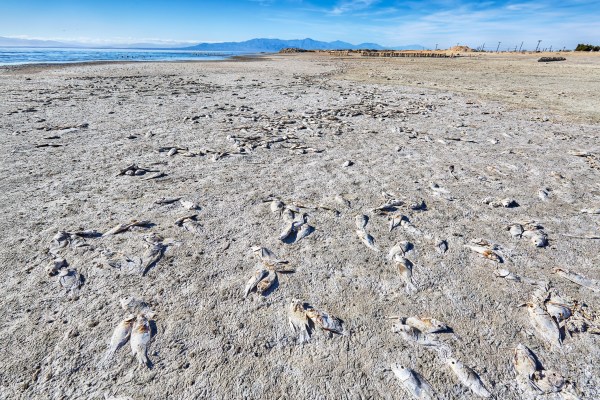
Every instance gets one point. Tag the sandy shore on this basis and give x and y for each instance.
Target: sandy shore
(331, 138)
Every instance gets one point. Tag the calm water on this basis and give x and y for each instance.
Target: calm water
(13, 56)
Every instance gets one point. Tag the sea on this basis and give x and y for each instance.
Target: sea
(17, 56)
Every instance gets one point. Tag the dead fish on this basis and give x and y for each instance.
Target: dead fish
(525, 362)
(61, 239)
(258, 275)
(277, 206)
(426, 324)
(516, 230)
(395, 220)
(188, 217)
(557, 307)
(384, 209)
(172, 152)
(537, 237)
(55, 266)
(506, 203)
(124, 171)
(441, 246)
(155, 176)
(581, 280)
(506, 274)
(192, 226)
(120, 336)
(405, 266)
(413, 335)
(559, 312)
(543, 194)
(361, 221)
(413, 383)
(468, 377)
(549, 381)
(303, 231)
(189, 205)
(325, 321)
(136, 306)
(299, 321)
(409, 227)
(400, 248)
(140, 337)
(266, 282)
(267, 257)
(367, 239)
(126, 226)
(287, 230)
(543, 323)
(167, 200)
(152, 255)
(485, 252)
(418, 205)
(287, 215)
(71, 281)
(594, 211)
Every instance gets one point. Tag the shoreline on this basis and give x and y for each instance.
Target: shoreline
(43, 66)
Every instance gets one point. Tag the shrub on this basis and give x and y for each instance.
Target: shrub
(586, 47)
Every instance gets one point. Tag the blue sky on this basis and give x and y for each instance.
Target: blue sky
(442, 22)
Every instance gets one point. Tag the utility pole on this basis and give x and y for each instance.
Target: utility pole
(550, 49)
(520, 47)
(538, 46)
(498, 48)
(436, 46)
(483, 47)
(515, 48)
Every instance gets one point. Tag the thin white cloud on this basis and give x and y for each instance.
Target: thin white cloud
(346, 7)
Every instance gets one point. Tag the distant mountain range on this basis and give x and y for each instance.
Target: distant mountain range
(274, 45)
(250, 46)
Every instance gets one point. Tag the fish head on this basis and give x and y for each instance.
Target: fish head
(437, 325)
(400, 371)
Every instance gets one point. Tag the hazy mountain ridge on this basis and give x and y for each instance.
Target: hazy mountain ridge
(274, 45)
(253, 45)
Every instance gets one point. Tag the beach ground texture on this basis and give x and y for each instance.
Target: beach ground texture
(331, 138)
